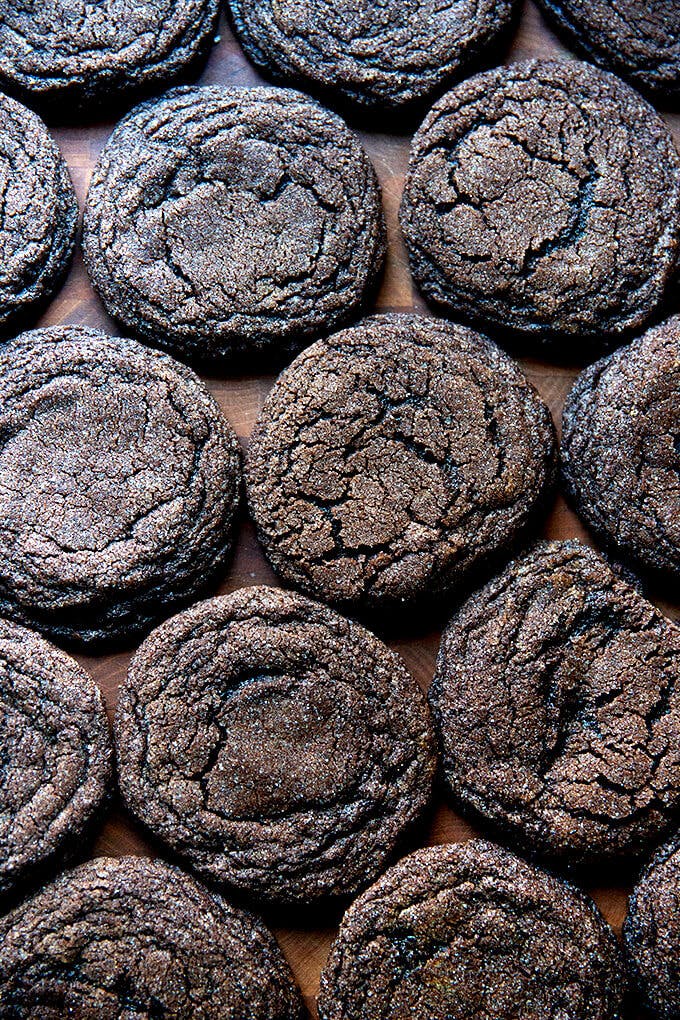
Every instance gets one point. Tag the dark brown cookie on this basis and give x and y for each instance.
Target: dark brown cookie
(375, 56)
(55, 755)
(393, 458)
(117, 939)
(621, 449)
(652, 934)
(72, 54)
(228, 221)
(38, 213)
(639, 39)
(557, 700)
(273, 744)
(119, 481)
(471, 931)
(544, 198)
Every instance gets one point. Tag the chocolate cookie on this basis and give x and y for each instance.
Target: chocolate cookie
(273, 744)
(639, 39)
(72, 54)
(55, 754)
(471, 931)
(557, 701)
(38, 213)
(224, 221)
(385, 56)
(393, 458)
(119, 481)
(127, 938)
(621, 449)
(652, 934)
(544, 198)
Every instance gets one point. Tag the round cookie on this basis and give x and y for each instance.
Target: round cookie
(392, 459)
(137, 938)
(73, 54)
(386, 56)
(119, 482)
(652, 934)
(621, 449)
(639, 39)
(55, 755)
(471, 931)
(544, 198)
(38, 214)
(231, 221)
(274, 745)
(557, 701)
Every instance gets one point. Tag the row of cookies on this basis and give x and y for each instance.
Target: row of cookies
(380, 57)
(392, 463)
(284, 753)
(224, 224)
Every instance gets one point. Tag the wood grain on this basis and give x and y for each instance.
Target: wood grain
(306, 942)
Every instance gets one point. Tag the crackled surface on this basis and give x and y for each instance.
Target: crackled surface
(471, 931)
(58, 53)
(38, 213)
(639, 39)
(544, 197)
(118, 484)
(557, 700)
(275, 745)
(118, 939)
(225, 221)
(652, 934)
(621, 449)
(55, 754)
(381, 56)
(392, 458)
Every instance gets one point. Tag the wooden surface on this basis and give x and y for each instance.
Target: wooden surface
(305, 945)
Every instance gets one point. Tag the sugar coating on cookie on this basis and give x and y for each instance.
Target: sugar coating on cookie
(472, 931)
(66, 55)
(392, 459)
(119, 484)
(556, 698)
(277, 747)
(56, 756)
(126, 937)
(544, 198)
(224, 222)
(38, 214)
(386, 57)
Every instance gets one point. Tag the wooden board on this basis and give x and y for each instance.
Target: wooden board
(306, 945)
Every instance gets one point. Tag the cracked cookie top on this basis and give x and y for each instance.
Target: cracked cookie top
(651, 934)
(38, 213)
(273, 744)
(639, 39)
(55, 757)
(379, 56)
(119, 479)
(471, 931)
(557, 701)
(391, 459)
(544, 198)
(227, 221)
(63, 53)
(621, 449)
(136, 938)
